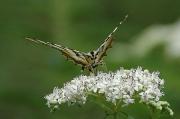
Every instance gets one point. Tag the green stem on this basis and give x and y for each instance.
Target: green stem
(104, 106)
(115, 115)
(153, 114)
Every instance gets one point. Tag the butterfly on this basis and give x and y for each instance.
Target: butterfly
(89, 60)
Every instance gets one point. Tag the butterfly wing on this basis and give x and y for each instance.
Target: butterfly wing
(101, 51)
(76, 56)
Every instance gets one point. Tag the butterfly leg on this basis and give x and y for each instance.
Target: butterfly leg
(82, 69)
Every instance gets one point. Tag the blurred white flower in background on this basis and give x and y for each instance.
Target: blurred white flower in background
(121, 87)
(151, 37)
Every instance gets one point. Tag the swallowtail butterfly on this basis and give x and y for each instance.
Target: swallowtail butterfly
(88, 60)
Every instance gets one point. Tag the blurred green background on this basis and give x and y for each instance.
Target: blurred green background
(28, 72)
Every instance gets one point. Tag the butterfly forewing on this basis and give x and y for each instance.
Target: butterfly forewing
(76, 56)
(101, 51)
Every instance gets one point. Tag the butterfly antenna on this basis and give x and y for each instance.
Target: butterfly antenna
(121, 22)
(55, 46)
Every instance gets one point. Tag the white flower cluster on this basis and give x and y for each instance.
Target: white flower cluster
(125, 86)
(161, 105)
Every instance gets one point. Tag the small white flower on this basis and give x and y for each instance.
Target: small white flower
(125, 86)
(160, 105)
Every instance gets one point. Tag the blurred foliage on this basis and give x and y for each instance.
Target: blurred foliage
(28, 72)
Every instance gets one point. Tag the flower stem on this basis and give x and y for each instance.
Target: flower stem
(153, 114)
(99, 102)
(115, 115)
